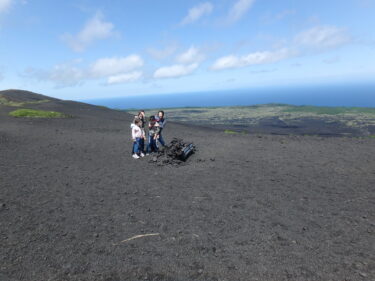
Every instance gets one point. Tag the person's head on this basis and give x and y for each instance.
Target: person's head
(137, 122)
(161, 114)
(141, 114)
(152, 118)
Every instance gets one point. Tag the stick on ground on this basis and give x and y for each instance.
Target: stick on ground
(138, 236)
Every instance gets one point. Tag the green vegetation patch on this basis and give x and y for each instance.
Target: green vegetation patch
(231, 132)
(7, 102)
(32, 113)
(329, 110)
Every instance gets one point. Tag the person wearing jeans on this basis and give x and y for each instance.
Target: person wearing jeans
(141, 117)
(151, 146)
(153, 132)
(137, 136)
(161, 121)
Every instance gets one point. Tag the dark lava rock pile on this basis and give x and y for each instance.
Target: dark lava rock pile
(176, 153)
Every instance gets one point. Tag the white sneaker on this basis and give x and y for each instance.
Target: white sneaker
(135, 156)
(142, 155)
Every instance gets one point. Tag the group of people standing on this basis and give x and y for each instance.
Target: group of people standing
(156, 125)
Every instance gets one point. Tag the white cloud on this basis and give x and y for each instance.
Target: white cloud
(123, 78)
(322, 37)
(230, 61)
(174, 71)
(113, 66)
(192, 55)
(197, 12)
(94, 29)
(239, 10)
(187, 62)
(265, 57)
(69, 74)
(308, 42)
(5, 5)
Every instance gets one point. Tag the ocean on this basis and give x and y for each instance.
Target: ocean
(350, 95)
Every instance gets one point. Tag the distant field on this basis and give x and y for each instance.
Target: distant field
(279, 119)
(331, 110)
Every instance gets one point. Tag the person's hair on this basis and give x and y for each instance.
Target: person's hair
(140, 112)
(137, 121)
(152, 118)
(162, 112)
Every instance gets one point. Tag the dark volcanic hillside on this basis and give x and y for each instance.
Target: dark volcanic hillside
(74, 205)
(24, 96)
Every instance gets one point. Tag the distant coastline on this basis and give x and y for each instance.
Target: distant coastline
(348, 95)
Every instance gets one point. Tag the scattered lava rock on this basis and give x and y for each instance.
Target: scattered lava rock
(176, 153)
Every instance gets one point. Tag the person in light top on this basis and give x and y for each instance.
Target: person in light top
(137, 136)
(141, 117)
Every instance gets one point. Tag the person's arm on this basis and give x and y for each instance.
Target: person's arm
(143, 134)
(157, 132)
(134, 131)
(163, 125)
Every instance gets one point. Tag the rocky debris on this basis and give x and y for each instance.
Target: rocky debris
(176, 153)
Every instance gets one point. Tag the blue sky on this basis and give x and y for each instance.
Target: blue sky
(96, 49)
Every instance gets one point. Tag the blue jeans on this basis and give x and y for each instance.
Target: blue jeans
(151, 146)
(161, 140)
(137, 145)
(141, 146)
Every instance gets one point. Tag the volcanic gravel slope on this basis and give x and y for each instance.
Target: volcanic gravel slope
(243, 207)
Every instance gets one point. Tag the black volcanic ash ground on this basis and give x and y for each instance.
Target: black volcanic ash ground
(74, 205)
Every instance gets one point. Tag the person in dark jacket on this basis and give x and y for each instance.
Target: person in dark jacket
(141, 116)
(161, 121)
(153, 133)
